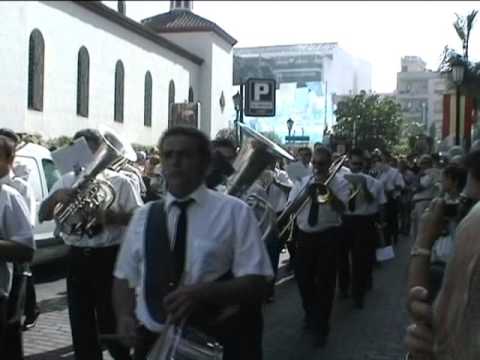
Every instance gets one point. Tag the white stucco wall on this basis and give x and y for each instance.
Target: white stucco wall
(216, 76)
(222, 81)
(65, 27)
(200, 44)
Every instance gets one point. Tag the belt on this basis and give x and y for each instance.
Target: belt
(87, 251)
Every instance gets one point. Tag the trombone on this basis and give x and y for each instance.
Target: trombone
(323, 195)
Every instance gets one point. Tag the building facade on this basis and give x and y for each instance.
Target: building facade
(420, 93)
(69, 65)
(309, 77)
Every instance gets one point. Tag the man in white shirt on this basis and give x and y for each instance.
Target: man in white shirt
(197, 250)
(92, 257)
(393, 184)
(16, 245)
(10, 177)
(315, 264)
(359, 227)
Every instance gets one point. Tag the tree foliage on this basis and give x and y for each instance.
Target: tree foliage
(463, 26)
(369, 121)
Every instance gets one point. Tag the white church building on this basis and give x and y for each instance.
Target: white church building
(68, 65)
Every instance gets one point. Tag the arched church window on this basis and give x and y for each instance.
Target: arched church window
(190, 95)
(119, 91)
(171, 100)
(147, 101)
(83, 81)
(36, 64)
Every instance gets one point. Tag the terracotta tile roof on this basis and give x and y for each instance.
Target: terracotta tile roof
(113, 16)
(185, 21)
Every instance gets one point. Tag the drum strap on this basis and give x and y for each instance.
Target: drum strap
(159, 262)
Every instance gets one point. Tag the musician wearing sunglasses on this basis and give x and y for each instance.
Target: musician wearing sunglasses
(190, 257)
(366, 198)
(318, 223)
(92, 255)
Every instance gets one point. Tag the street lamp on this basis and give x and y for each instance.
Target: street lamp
(458, 70)
(290, 123)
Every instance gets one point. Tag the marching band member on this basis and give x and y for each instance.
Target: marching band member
(299, 169)
(92, 259)
(277, 187)
(315, 265)
(393, 183)
(212, 242)
(16, 245)
(20, 184)
(359, 225)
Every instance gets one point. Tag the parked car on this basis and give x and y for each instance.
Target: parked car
(34, 163)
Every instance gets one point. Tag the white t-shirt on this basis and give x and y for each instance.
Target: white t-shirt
(327, 217)
(14, 226)
(222, 235)
(127, 199)
(25, 189)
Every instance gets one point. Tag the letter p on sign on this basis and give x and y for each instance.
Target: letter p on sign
(259, 90)
(260, 97)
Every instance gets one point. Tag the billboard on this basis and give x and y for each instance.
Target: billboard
(307, 104)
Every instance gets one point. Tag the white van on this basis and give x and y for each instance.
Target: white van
(42, 174)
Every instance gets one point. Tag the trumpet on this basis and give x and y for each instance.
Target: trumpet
(323, 195)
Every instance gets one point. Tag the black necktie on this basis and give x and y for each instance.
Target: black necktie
(352, 204)
(313, 214)
(179, 247)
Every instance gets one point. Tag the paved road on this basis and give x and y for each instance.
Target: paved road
(374, 333)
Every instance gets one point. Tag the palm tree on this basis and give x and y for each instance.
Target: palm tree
(463, 26)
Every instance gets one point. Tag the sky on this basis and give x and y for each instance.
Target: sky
(380, 32)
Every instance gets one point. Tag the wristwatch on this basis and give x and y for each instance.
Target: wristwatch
(416, 251)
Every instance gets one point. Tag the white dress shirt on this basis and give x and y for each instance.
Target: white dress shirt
(25, 189)
(430, 183)
(14, 226)
(278, 197)
(127, 199)
(327, 217)
(222, 235)
(362, 207)
(391, 178)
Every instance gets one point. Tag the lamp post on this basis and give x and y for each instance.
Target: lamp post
(290, 123)
(237, 102)
(458, 70)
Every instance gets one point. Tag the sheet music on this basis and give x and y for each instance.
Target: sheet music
(72, 156)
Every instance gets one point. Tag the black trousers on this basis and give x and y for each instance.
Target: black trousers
(343, 259)
(357, 245)
(89, 295)
(240, 336)
(315, 271)
(11, 340)
(391, 217)
(31, 307)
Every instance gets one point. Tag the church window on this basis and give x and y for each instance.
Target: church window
(190, 95)
(83, 81)
(171, 100)
(36, 63)
(119, 92)
(147, 102)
